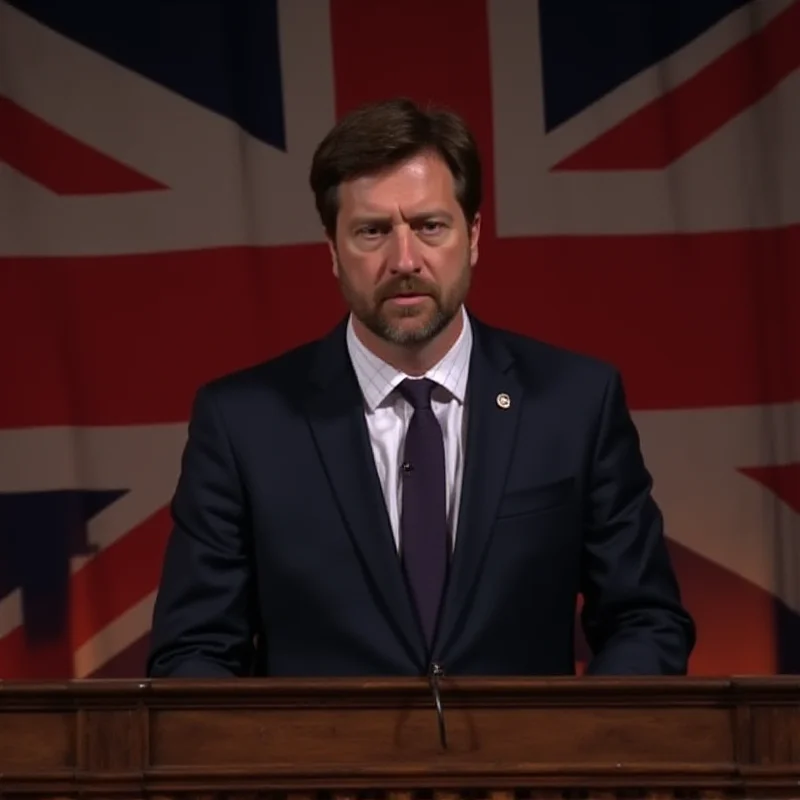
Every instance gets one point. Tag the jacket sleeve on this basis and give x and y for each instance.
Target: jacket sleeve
(632, 615)
(204, 616)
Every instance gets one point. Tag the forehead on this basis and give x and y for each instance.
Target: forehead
(419, 181)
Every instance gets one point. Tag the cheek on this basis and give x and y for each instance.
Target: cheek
(448, 263)
(360, 272)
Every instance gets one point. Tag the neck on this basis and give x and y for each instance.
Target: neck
(414, 359)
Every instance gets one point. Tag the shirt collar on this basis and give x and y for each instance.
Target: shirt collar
(378, 379)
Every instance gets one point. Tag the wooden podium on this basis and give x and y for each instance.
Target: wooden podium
(505, 739)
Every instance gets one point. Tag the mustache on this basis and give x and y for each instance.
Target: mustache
(408, 284)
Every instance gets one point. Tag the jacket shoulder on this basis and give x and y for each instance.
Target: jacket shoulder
(536, 359)
(283, 374)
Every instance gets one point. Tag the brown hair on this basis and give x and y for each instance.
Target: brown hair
(380, 135)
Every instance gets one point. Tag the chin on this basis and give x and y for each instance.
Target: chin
(416, 329)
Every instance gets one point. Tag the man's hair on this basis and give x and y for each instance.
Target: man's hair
(380, 135)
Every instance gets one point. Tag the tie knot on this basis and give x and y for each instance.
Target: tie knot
(417, 391)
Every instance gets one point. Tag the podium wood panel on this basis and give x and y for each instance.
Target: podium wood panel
(507, 739)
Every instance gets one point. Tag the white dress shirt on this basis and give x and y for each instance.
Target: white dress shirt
(388, 414)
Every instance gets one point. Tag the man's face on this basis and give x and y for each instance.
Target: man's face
(403, 252)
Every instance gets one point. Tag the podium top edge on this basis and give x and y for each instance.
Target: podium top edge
(476, 689)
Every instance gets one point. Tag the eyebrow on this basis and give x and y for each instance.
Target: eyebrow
(420, 216)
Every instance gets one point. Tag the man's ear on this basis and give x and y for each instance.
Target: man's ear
(474, 236)
(334, 256)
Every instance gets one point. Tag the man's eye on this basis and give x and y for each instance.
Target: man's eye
(431, 226)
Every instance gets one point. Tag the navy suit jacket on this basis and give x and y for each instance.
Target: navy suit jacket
(282, 562)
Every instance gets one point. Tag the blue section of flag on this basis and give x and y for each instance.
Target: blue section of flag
(220, 54)
(590, 48)
(41, 532)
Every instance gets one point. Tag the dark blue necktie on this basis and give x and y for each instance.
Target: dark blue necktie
(423, 520)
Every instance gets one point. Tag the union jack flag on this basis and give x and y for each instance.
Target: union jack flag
(156, 230)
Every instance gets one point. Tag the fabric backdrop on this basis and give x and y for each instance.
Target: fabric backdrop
(156, 230)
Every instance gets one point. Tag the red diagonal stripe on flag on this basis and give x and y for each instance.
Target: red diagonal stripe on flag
(783, 480)
(118, 577)
(679, 120)
(60, 162)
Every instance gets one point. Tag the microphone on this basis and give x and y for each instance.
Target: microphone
(436, 673)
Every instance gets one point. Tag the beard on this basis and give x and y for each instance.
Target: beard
(407, 325)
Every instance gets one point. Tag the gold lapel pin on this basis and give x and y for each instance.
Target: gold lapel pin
(503, 400)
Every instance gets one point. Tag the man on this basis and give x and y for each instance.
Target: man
(417, 488)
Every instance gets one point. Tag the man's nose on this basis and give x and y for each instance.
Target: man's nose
(405, 255)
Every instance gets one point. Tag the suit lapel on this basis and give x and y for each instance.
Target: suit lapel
(336, 415)
(494, 403)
